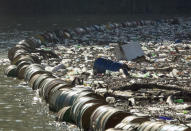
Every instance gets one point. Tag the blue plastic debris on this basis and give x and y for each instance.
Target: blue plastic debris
(165, 118)
(178, 41)
(101, 65)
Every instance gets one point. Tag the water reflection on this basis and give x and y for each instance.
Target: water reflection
(20, 108)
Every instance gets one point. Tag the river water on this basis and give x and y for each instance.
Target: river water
(20, 108)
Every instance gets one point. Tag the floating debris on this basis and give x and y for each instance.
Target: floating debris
(84, 72)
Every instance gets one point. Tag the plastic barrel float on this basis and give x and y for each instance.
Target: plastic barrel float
(64, 115)
(21, 67)
(131, 122)
(105, 117)
(10, 71)
(39, 80)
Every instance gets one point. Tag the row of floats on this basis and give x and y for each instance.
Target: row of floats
(58, 36)
(73, 104)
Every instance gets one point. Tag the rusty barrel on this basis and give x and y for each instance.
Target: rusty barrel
(21, 68)
(16, 50)
(64, 115)
(84, 114)
(28, 44)
(70, 98)
(54, 84)
(48, 85)
(24, 43)
(79, 103)
(37, 83)
(121, 125)
(34, 72)
(56, 97)
(21, 72)
(129, 126)
(147, 126)
(44, 84)
(105, 117)
(131, 122)
(30, 69)
(67, 98)
(59, 87)
(18, 54)
(10, 71)
(29, 72)
(21, 45)
(33, 42)
(95, 116)
(135, 119)
(33, 79)
(21, 58)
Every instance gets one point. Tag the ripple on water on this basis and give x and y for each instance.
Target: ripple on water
(20, 107)
(18, 121)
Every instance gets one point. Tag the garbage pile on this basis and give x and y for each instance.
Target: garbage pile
(79, 74)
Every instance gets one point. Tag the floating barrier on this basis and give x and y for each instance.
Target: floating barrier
(78, 105)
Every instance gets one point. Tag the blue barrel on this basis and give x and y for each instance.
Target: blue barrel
(101, 65)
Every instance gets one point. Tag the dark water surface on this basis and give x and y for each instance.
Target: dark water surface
(20, 108)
